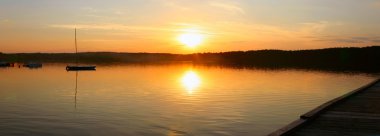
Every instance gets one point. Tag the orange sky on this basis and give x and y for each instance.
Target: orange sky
(155, 25)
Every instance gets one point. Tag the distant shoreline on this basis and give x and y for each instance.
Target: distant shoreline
(351, 59)
(294, 50)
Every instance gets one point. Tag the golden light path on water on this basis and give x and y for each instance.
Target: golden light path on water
(191, 81)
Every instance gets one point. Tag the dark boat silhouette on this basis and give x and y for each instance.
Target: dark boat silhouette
(76, 67)
(33, 65)
(5, 64)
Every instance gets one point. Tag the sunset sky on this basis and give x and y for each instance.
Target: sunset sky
(157, 25)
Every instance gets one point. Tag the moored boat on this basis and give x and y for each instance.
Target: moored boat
(33, 65)
(76, 68)
(5, 64)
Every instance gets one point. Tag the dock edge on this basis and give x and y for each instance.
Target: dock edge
(305, 118)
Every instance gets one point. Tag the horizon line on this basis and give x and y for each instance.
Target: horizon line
(190, 53)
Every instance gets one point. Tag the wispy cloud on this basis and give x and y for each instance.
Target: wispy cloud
(102, 13)
(173, 27)
(301, 34)
(319, 32)
(301, 30)
(174, 4)
(89, 9)
(228, 6)
(315, 27)
(349, 40)
(107, 27)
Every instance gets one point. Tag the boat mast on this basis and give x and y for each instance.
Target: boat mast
(76, 48)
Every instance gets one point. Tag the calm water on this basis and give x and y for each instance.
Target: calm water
(165, 100)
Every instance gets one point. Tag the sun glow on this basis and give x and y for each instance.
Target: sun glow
(191, 38)
(190, 81)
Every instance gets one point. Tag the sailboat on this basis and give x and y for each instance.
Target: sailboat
(76, 67)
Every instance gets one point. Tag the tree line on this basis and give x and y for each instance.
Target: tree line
(352, 59)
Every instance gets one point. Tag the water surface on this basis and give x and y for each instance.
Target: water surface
(162, 100)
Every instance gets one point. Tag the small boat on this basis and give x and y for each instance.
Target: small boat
(33, 65)
(5, 64)
(76, 67)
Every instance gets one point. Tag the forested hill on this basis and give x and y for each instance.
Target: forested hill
(365, 58)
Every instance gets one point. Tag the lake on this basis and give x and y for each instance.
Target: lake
(162, 100)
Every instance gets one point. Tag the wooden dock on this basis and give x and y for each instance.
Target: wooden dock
(356, 113)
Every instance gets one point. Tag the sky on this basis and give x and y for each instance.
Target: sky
(155, 25)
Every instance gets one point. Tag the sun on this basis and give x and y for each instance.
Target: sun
(191, 38)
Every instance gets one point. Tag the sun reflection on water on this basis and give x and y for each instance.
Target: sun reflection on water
(191, 81)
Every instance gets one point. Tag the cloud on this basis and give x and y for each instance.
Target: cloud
(174, 4)
(349, 40)
(102, 13)
(118, 12)
(173, 27)
(315, 27)
(319, 33)
(323, 31)
(299, 31)
(107, 27)
(228, 7)
(89, 9)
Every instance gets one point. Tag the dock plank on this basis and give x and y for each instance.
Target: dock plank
(356, 113)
